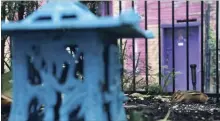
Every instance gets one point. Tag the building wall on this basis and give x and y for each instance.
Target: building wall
(166, 18)
(152, 12)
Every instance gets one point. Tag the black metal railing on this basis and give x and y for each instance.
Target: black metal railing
(187, 44)
(146, 45)
(217, 48)
(173, 48)
(202, 58)
(173, 32)
(202, 31)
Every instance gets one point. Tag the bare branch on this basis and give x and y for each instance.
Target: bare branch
(7, 65)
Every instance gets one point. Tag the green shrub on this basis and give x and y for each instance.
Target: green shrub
(166, 77)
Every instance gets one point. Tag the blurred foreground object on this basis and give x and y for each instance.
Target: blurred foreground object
(56, 43)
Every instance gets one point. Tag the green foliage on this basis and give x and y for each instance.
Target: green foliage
(140, 116)
(6, 83)
(136, 116)
(212, 46)
(156, 89)
(212, 54)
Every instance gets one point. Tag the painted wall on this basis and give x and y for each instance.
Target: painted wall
(152, 12)
(166, 18)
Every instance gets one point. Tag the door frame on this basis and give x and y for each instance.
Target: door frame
(180, 25)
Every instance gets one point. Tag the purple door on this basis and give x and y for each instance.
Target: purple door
(180, 55)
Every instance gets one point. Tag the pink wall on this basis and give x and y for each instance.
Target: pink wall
(166, 18)
(152, 11)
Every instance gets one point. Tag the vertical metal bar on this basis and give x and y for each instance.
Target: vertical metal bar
(217, 48)
(133, 52)
(3, 40)
(122, 54)
(159, 41)
(120, 8)
(37, 4)
(146, 48)
(108, 7)
(187, 43)
(202, 31)
(173, 45)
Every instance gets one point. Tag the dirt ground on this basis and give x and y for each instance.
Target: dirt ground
(153, 108)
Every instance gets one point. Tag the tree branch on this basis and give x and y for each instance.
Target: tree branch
(7, 65)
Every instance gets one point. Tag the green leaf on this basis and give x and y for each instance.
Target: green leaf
(6, 83)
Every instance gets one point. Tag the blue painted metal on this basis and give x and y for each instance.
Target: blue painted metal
(78, 17)
(47, 47)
